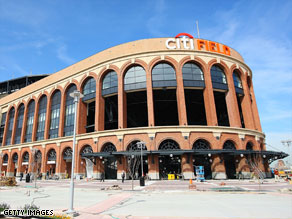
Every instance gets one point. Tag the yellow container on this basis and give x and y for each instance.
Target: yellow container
(171, 177)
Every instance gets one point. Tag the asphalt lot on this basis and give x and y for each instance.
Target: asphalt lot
(158, 199)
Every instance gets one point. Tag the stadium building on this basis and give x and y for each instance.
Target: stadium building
(191, 101)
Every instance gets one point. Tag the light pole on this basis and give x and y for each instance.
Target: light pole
(141, 145)
(34, 151)
(76, 95)
(288, 144)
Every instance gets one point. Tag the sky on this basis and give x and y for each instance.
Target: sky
(45, 36)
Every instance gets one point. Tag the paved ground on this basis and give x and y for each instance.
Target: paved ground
(158, 199)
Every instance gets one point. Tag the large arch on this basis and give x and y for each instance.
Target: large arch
(86, 165)
(14, 166)
(69, 111)
(25, 162)
(4, 165)
(55, 107)
(9, 129)
(229, 160)
(67, 160)
(110, 162)
(41, 117)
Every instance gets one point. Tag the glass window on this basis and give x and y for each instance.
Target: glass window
(89, 87)
(218, 78)
(162, 74)
(41, 118)
(19, 123)
(10, 126)
(135, 78)
(29, 121)
(237, 83)
(55, 115)
(193, 75)
(69, 112)
(110, 83)
(2, 127)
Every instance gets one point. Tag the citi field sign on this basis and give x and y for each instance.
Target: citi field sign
(187, 41)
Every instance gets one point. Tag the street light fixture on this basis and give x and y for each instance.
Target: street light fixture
(76, 95)
(141, 145)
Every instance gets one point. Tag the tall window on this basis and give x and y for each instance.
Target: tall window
(55, 115)
(19, 123)
(192, 75)
(69, 112)
(10, 126)
(110, 83)
(29, 121)
(2, 127)
(135, 78)
(41, 118)
(163, 75)
(89, 89)
(239, 95)
(218, 78)
(237, 83)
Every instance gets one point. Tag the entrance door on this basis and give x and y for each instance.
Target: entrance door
(169, 165)
(230, 167)
(204, 161)
(68, 168)
(110, 168)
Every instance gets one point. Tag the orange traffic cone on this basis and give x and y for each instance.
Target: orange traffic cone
(191, 181)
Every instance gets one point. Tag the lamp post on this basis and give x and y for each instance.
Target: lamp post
(288, 144)
(34, 151)
(76, 95)
(141, 145)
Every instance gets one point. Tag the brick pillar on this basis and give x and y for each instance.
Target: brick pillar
(209, 100)
(99, 106)
(14, 126)
(243, 167)
(246, 106)
(180, 95)
(218, 168)
(60, 163)
(153, 166)
(255, 109)
(19, 164)
(44, 162)
(81, 117)
(23, 130)
(35, 121)
(48, 119)
(122, 104)
(187, 166)
(150, 103)
(122, 166)
(62, 114)
(10, 171)
(231, 102)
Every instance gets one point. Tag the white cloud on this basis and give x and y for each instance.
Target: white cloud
(63, 56)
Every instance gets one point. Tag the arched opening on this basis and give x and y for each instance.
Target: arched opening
(239, 94)
(15, 163)
(220, 88)
(55, 114)
(229, 161)
(169, 164)
(69, 111)
(88, 103)
(249, 146)
(134, 159)
(203, 160)
(42, 112)
(25, 162)
(164, 95)
(136, 95)
(4, 164)
(19, 124)
(67, 156)
(29, 121)
(194, 84)
(51, 163)
(2, 126)
(110, 162)
(10, 126)
(86, 164)
(110, 94)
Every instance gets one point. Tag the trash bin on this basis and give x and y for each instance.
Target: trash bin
(142, 181)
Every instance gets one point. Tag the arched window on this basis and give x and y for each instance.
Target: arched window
(133, 146)
(89, 89)
(67, 154)
(52, 155)
(192, 75)
(15, 158)
(41, 118)
(25, 157)
(135, 78)
(5, 158)
(110, 83)
(229, 145)
(168, 145)
(87, 150)
(19, 124)
(2, 127)
(38, 156)
(201, 144)
(55, 115)
(29, 121)
(249, 146)
(69, 112)
(108, 147)
(237, 83)
(163, 75)
(218, 78)
(10, 127)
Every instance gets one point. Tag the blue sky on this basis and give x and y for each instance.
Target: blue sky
(45, 36)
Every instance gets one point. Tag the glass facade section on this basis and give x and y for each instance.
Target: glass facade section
(163, 75)
(192, 75)
(19, 123)
(29, 122)
(10, 126)
(237, 83)
(110, 83)
(41, 118)
(55, 115)
(69, 112)
(2, 127)
(218, 78)
(135, 78)
(89, 89)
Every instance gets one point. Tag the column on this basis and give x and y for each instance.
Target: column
(23, 130)
(150, 104)
(10, 171)
(153, 166)
(218, 168)
(99, 106)
(48, 119)
(187, 166)
(62, 114)
(35, 121)
(180, 95)
(122, 104)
